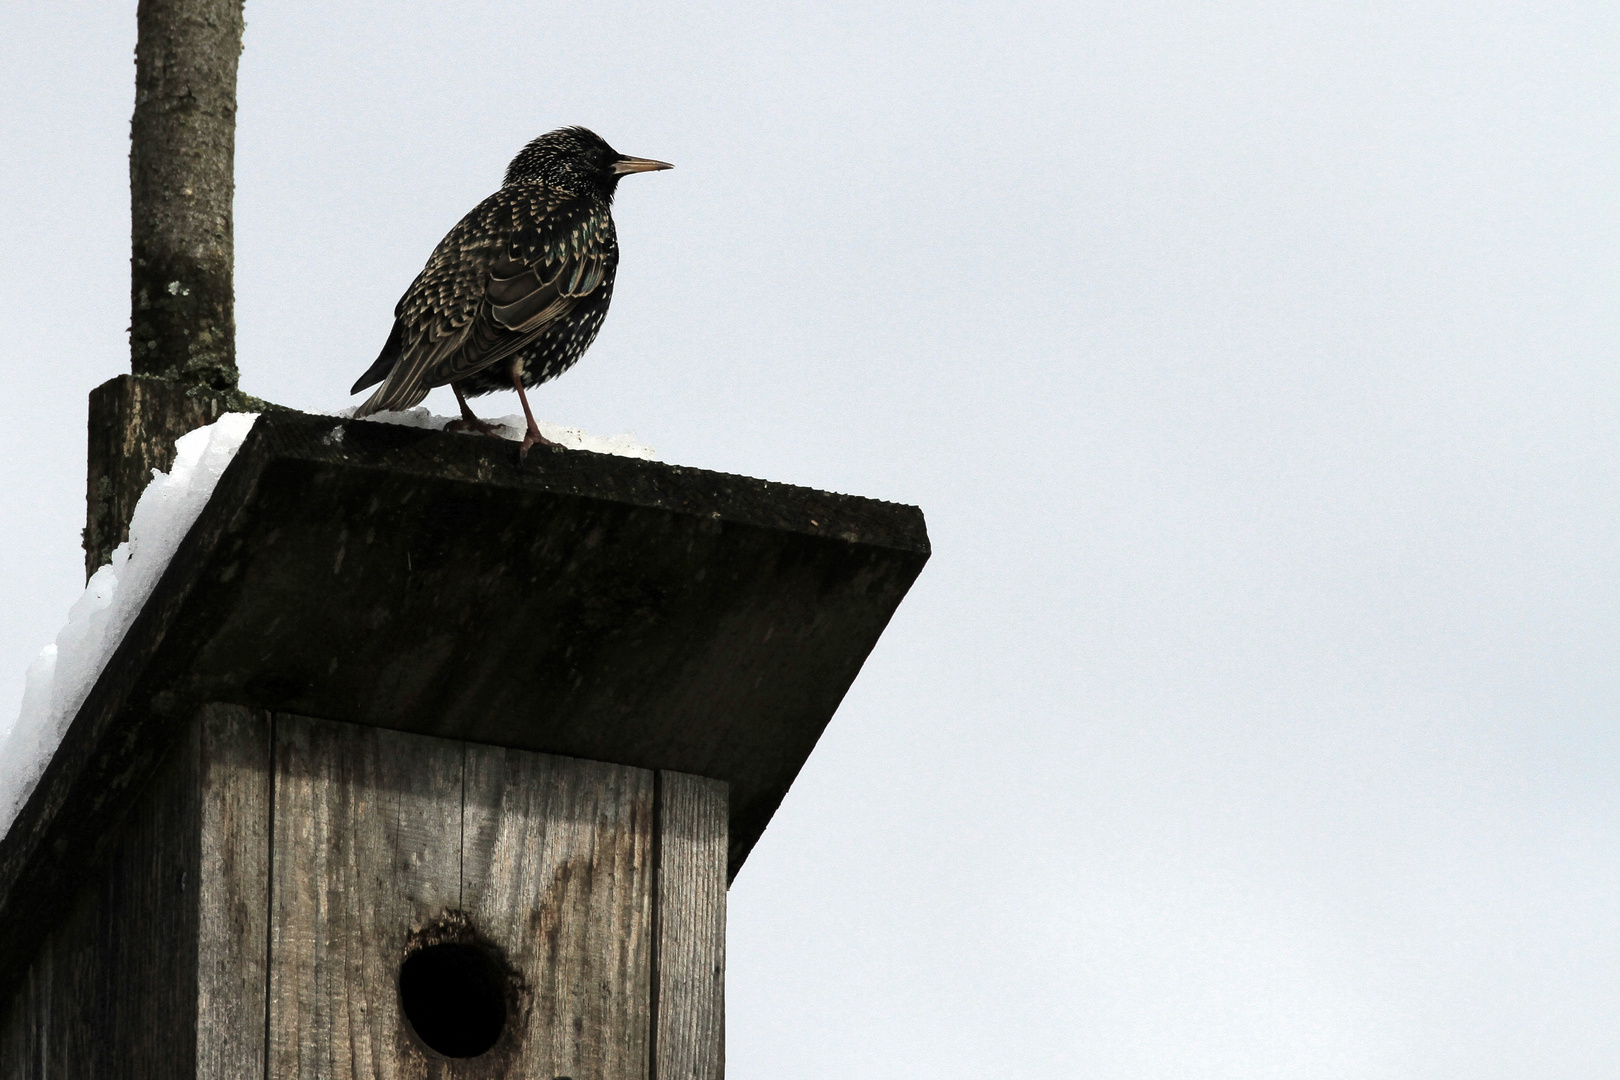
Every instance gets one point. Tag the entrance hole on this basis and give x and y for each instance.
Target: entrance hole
(454, 997)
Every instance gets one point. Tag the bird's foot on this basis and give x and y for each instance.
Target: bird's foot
(474, 424)
(534, 438)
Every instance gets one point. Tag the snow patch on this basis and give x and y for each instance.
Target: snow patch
(61, 677)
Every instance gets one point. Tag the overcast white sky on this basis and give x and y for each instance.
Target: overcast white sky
(1255, 364)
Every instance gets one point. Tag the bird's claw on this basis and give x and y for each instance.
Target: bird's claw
(534, 438)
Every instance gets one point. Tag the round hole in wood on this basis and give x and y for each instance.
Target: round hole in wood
(454, 996)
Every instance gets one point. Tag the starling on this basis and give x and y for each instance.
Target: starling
(516, 292)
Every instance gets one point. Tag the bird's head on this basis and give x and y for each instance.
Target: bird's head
(577, 160)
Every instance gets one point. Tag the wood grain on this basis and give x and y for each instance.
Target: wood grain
(367, 847)
(123, 965)
(112, 990)
(233, 891)
(22, 1047)
(255, 907)
(559, 874)
(157, 970)
(689, 989)
(16, 1027)
(548, 861)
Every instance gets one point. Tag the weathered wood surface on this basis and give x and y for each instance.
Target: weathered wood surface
(559, 874)
(367, 848)
(689, 993)
(173, 921)
(23, 1021)
(305, 858)
(580, 604)
(233, 891)
(381, 835)
(73, 1008)
(121, 1000)
(133, 424)
(182, 150)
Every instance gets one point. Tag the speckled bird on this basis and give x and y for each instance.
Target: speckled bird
(517, 291)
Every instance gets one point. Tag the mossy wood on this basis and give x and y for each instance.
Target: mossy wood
(134, 421)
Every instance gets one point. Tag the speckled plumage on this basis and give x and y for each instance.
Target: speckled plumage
(519, 287)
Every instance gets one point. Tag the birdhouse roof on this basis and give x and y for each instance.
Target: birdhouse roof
(572, 603)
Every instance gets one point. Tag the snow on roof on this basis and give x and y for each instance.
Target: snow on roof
(61, 676)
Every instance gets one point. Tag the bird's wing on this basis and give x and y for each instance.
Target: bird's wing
(521, 259)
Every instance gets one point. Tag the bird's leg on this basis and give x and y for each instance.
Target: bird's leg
(468, 421)
(533, 435)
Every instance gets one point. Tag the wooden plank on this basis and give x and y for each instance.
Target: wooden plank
(16, 1031)
(113, 984)
(22, 1028)
(79, 968)
(233, 891)
(141, 968)
(122, 960)
(689, 988)
(115, 989)
(366, 848)
(558, 873)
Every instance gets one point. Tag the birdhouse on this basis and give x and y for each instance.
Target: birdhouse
(422, 761)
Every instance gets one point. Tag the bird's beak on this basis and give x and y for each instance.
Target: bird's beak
(637, 164)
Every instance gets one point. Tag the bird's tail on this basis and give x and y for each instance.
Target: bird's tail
(380, 367)
(392, 399)
(388, 397)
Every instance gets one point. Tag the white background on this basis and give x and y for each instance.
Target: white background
(1253, 362)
